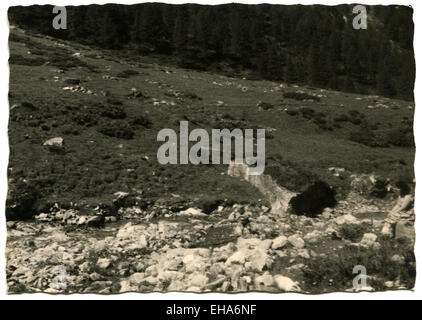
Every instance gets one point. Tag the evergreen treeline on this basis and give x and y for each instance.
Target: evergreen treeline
(316, 45)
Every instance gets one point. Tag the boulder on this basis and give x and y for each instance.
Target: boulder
(192, 212)
(103, 263)
(279, 243)
(346, 219)
(286, 284)
(398, 259)
(198, 280)
(369, 240)
(266, 279)
(314, 237)
(54, 144)
(296, 242)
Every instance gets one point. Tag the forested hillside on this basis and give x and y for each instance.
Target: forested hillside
(316, 45)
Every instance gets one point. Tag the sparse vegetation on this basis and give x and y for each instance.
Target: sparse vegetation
(300, 96)
(127, 73)
(117, 129)
(335, 272)
(21, 60)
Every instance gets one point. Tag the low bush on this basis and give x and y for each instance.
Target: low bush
(20, 60)
(85, 119)
(113, 112)
(29, 105)
(141, 120)
(114, 101)
(65, 61)
(127, 73)
(117, 129)
(334, 272)
(364, 135)
(401, 137)
(21, 200)
(313, 200)
(208, 205)
(300, 96)
(353, 232)
(73, 82)
(292, 112)
(191, 95)
(290, 175)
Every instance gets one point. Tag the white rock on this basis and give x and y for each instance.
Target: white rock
(103, 263)
(314, 237)
(286, 284)
(398, 259)
(304, 253)
(54, 142)
(347, 219)
(192, 212)
(238, 257)
(266, 279)
(369, 240)
(198, 280)
(296, 242)
(136, 278)
(279, 243)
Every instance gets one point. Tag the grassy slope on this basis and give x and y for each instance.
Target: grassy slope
(95, 165)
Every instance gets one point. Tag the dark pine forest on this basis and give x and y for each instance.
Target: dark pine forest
(313, 45)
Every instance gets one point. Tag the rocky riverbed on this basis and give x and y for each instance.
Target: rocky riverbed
(237, 248)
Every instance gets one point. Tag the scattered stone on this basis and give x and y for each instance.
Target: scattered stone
(279, 243)
(54, 144)
(346, 219)
(314, 237)
(296, 242)
(369, 240)
(398, 259)
(286, 284)
(103, 263)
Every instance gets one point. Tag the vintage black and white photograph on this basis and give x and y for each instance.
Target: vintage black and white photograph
(197, 148)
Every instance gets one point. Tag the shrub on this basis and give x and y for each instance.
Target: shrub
(20, 203)
(292, 113)
(114, 101)
(342, 118)
(401, 137)
(290, 175)
(85, 119)
(113, 112)
(65, 61)
(117, 129)
(300, 96)
(73, 82)
(127, 73)
(29, 105)
(265, 106)
(191, 95)
(364, 135)
(334, 272)
(20, 60)
(208, 205)
(17, 38)
(307, 113)
(353, 232)
(141, 120)
(313, 200)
